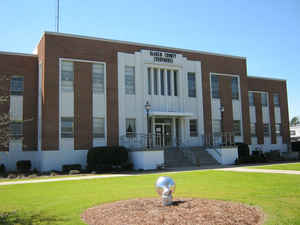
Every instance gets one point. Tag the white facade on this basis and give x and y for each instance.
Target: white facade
(164, 103)
(295, 132)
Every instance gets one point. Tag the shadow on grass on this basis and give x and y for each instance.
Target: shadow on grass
(15, 217)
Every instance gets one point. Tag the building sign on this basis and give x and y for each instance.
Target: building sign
(165, 57)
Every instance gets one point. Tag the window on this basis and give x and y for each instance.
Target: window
(67, 127)
(237, 128)
(16, 129)
(98, 78)
(162, 82)
(67, 76)
(292, 132)
(155, 82)
(98, 127)
(278, 129)
(149, 82)
(16, 85)
(169, 82)
(264, 99)
(193, 128)
(276, 100)
(129, 80)
(130, 128)
(235, 88)
(251, 99)
(216, 127)
(215, 86)
(191, 85)
(175, 83)
(266, 130)
(253, 129)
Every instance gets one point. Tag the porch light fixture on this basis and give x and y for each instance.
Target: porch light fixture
(147, 107)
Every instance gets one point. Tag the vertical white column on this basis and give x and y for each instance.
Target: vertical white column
(153, 130)
(158, 81)
(172, 82)
(151, 81)
(182, 128)
(173, 131)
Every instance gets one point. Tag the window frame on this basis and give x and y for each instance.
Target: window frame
(16, 133)
(276, 96)
(192, 90)
(264, 104)
(235, 88)
(214, 123)
(278, 129)
(237, 132)
(100, 134)
(129, 78)
(215, 86)
(266, 134)
(98, 89)
(67, 134)
(251, 99)
(253, 128)
(64, 87)
(193, 133)
(16, 85)
(133, 133)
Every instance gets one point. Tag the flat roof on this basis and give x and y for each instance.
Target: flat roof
(266, 78)
(139, 44)
(17, 53)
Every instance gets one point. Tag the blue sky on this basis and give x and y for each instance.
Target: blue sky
(266, 32)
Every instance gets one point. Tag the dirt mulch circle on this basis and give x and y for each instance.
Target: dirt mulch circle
(184, 211)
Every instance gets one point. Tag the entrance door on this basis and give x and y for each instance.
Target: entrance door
(163, 136)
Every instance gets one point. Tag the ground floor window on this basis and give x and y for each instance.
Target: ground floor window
(253, 129)
(67, 127)
(278, 129)
(216, 127)
(237, 128)
(98, 127)
(266, 130)
(193, 128)
(130, 127)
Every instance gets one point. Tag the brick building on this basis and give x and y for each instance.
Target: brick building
(76, 92)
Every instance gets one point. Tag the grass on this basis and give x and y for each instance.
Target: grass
(287, 166)
(63, 202)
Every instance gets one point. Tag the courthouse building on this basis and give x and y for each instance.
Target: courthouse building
(76, 92)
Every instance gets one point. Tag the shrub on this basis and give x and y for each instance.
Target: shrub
(23, 166)
(295, 146)
(2, 168)
(106, 158)
(243, 153)
(68, 167)
(273, 155)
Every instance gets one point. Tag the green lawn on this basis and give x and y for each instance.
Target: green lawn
(63, 202)
(288, 166)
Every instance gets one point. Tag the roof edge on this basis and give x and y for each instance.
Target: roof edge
(17, 53)
(140, 44)
(267, 78)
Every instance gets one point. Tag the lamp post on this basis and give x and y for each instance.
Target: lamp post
(147, 107)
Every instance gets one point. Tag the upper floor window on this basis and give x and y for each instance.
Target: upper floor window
(215, 86)
(98, 78)
(129, 80)
(251, 99)
(264, 99)
(155, 81)
(235, 88)
(169, 82)
(16, 85)
(67, 127)
(237, 128)
(130, 127)
(276, 100)
(98, 127)
(175, 83)
(67, 76)
(191, 85)
(193, 128)
(162, 82)
(149, 82)
(278, 129)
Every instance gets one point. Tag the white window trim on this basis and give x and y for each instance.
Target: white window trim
(60, 93)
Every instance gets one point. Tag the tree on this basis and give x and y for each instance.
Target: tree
(4, 114)
(295, 121)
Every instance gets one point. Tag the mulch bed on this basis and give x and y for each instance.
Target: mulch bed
(184, 211)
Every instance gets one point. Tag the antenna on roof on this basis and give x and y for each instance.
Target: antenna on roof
(57, 17)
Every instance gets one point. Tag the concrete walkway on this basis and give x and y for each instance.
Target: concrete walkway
(249, 170)
(62, 179)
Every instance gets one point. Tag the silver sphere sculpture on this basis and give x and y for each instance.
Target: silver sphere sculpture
(165, 187)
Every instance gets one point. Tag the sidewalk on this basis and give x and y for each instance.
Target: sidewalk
(249, 170)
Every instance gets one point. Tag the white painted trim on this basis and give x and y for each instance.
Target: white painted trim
(267, 78)
(224, 74)
(105, 88)
(139, 44)
(16, 53)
